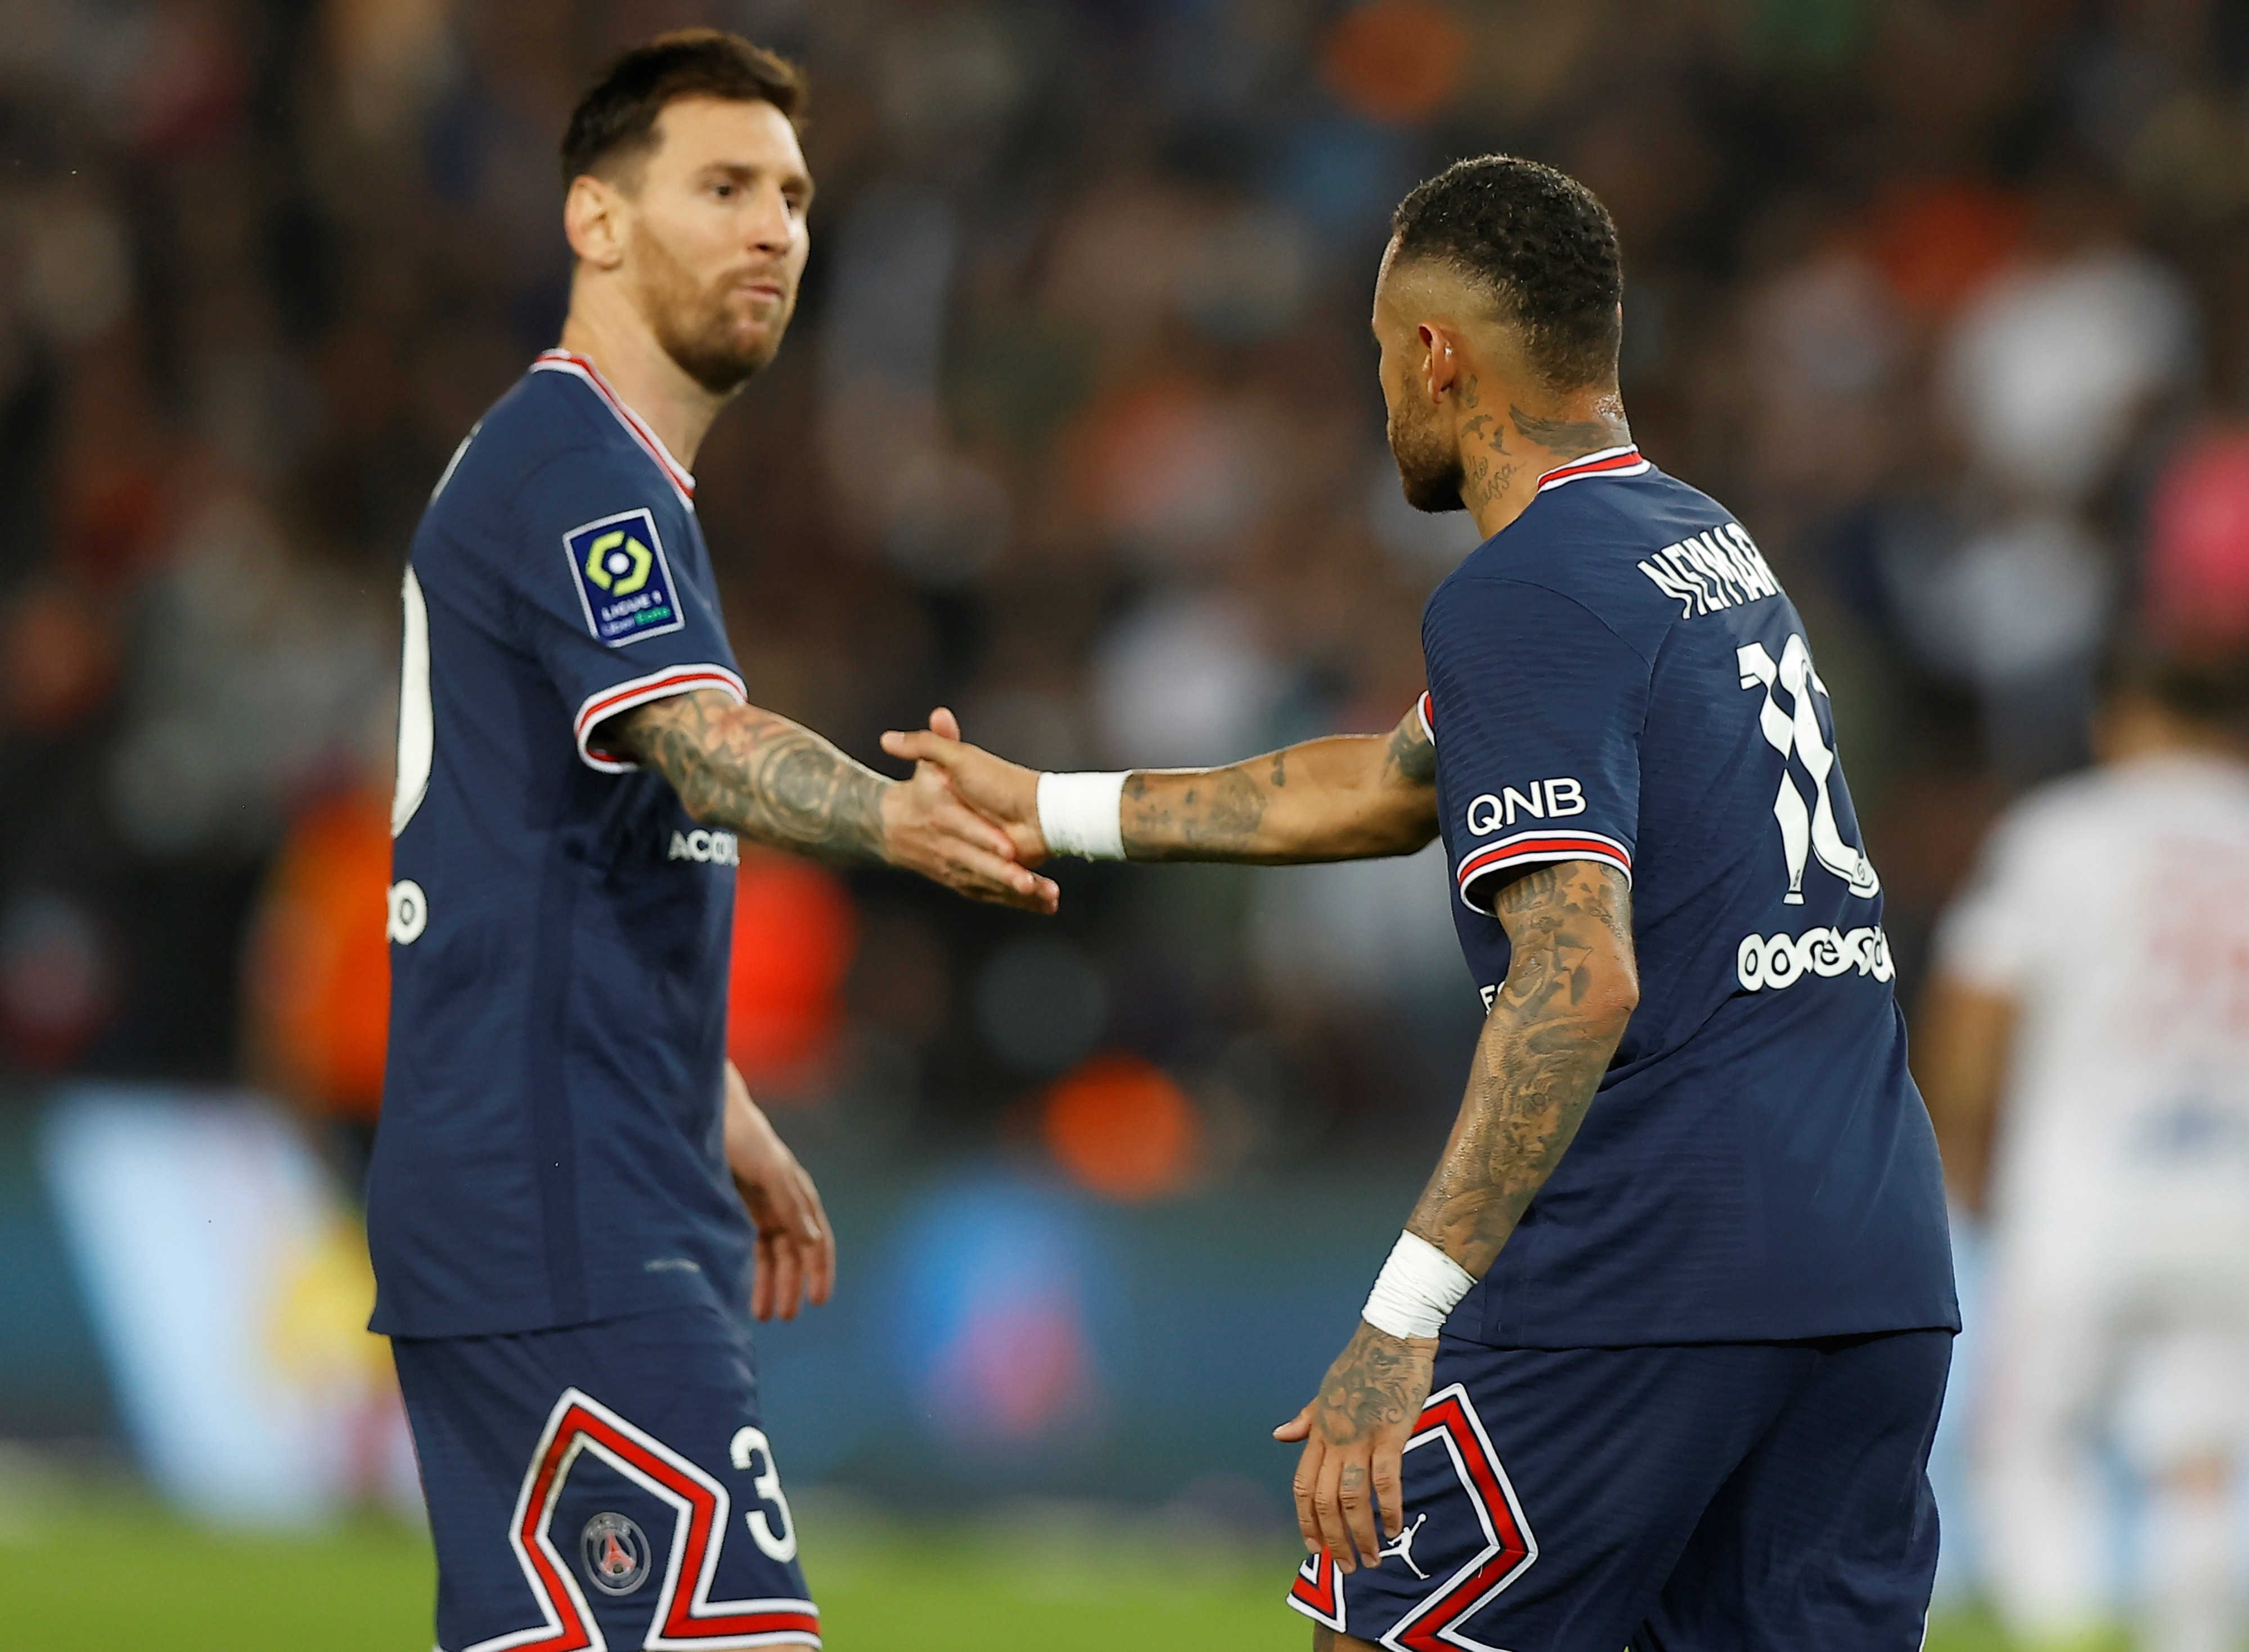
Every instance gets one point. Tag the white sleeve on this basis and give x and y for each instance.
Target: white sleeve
(1997, 927)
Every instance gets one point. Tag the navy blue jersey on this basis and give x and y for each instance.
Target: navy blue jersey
(550, 1146)
(1617, 677)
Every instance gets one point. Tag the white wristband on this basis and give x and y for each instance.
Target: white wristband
(1416, 1289)
(1083, 814)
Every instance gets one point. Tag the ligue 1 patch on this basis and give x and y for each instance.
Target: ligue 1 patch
(624, 584)
(615, 1552)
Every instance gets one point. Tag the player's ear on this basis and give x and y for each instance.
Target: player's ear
(1441, 362)
(593, 217)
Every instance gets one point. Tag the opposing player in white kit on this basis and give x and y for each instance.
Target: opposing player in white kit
(2085, 1052)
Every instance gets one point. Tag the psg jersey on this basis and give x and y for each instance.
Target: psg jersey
(550, 1145)
(1617, 677)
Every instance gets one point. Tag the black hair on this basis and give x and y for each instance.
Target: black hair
(615, 124)
(1544, 244)
(2206, 686)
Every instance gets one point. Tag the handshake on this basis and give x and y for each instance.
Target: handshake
(967, 819)
(980, 825)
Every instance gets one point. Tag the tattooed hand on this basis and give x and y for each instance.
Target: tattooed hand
(1354, 1433)
(1006, 794)
(755, 772)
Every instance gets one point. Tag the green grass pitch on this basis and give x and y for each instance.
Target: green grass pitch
(111, 1572)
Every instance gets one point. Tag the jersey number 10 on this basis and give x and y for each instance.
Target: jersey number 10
(1806, 829)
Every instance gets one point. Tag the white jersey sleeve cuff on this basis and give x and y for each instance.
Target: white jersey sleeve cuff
(1525, 850)
(622, 697)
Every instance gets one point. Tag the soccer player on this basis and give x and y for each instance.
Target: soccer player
(1659, 1354)
(557, 1202)
(2091, 1005)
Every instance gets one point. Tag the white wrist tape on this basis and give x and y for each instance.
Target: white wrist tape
(1083, 814)
(1416, 1289)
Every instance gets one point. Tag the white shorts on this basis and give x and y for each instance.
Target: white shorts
(2129, 1335)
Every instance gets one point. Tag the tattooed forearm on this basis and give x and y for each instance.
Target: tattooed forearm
(1556, 1020)
(757, 774)
(1411, 759)
(1343, 798)
(1213, 815)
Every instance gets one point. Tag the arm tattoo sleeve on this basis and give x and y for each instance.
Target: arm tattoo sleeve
(757, 774)
(1411, 759)
(1206, 817)
(1335, 790)
(1553, 1027)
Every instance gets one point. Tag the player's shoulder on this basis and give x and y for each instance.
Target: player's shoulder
(1634, 548)
(2081, 811)
(2205, 793)
(557, 453)
(544, 425)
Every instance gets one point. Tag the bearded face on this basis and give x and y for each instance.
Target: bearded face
(719, 329)
(1429, 466)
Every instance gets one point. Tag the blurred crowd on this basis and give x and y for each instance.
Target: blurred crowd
(1077, 433)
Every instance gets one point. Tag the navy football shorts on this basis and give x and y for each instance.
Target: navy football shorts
(1721, 1498)
(604, 1485)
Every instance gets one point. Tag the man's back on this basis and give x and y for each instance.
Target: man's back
(2129, 1073)
(1617, 677)
(549, 1151)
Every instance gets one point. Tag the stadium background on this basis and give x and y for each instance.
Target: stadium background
(1076, 432)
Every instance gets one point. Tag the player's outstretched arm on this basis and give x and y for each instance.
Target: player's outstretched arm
(751, 771)
(1347, 797)
(1571, 985)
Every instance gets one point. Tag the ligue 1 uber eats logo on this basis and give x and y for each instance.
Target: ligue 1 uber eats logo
(618, 563)
(624, 583)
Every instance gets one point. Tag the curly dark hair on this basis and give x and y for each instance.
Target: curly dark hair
(1542, 242)
(614, 126)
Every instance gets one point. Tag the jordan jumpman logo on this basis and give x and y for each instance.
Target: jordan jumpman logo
(1402, 1544)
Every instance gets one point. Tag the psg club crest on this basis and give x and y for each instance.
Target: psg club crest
(615, 1552)
(624, 583)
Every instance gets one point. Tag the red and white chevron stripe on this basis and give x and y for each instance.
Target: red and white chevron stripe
(683, 1617)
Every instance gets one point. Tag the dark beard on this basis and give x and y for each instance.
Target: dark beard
(1430, 475)
(695, 328)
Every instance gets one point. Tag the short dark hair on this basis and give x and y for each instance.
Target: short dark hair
(615, 124)
(2206, 685)
(1544, 246)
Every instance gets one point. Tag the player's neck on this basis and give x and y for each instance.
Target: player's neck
(609, 332)
(2136, 728)
(1501, 467)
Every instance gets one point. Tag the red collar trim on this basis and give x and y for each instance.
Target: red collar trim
(1615, 461)
(571, 361)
